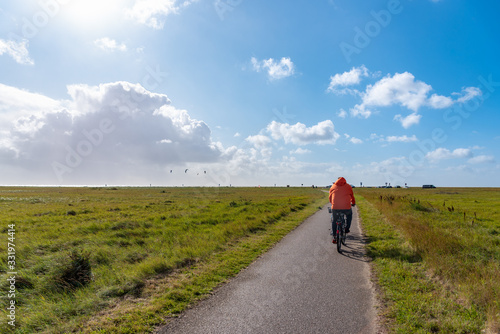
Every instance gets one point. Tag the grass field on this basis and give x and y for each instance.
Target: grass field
(436, 257)
(119, 260)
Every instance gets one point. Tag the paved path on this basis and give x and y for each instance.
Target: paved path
(302, 285)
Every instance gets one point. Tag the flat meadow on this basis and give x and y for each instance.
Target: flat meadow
(436, 257)
(120, 260)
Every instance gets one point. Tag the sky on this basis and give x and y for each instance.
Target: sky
(248, 93)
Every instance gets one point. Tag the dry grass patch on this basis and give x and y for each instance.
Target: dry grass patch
(454, 233)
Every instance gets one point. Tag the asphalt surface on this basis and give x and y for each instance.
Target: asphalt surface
(302, 285)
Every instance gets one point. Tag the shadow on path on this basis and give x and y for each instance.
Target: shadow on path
(354, 248)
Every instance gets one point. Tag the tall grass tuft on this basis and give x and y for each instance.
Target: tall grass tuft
(75, 273)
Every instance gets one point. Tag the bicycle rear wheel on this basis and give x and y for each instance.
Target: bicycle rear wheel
(338, 236)
(344, 235)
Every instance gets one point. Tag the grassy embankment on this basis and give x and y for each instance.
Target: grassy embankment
(120, 260)
(436, 257)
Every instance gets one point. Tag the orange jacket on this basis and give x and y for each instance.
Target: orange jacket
(341, 195)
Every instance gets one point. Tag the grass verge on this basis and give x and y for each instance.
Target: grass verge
(436, 271)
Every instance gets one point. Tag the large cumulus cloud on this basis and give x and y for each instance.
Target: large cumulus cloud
(115, 131)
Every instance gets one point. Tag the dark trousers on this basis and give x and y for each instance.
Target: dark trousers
(348, 214)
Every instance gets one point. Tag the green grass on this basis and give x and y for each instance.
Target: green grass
(436, 257)
(120, 260)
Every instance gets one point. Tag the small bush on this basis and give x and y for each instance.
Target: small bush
(75, 273)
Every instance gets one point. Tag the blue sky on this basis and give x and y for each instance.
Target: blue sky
(209, 92)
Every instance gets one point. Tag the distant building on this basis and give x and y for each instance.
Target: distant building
(428, 186)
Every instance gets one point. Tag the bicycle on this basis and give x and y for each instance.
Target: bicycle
(338, 219)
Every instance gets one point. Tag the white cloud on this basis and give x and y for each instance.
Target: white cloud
(393, 139)
(353, 77)
(300, 134)
(439, 154)
(259, 141)
(17, 50)
(165, 141)
(355, 140)
(440, 102)
(461, 153)
(300, 150)
(409, 120)
(444, 154)
(468, 93)
(342, 113)
(152, 13)
(108, 44)
(400, 89)
(359, 110)
(402, 139)
(275, 70)
(115, 131)
(375, 137)
(253, 158)
(15, 103)
(255, 64)
(482, 159)
(132, 98)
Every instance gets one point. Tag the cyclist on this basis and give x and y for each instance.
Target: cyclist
(342, 197)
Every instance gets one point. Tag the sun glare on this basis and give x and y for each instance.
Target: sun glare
(93, 14)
